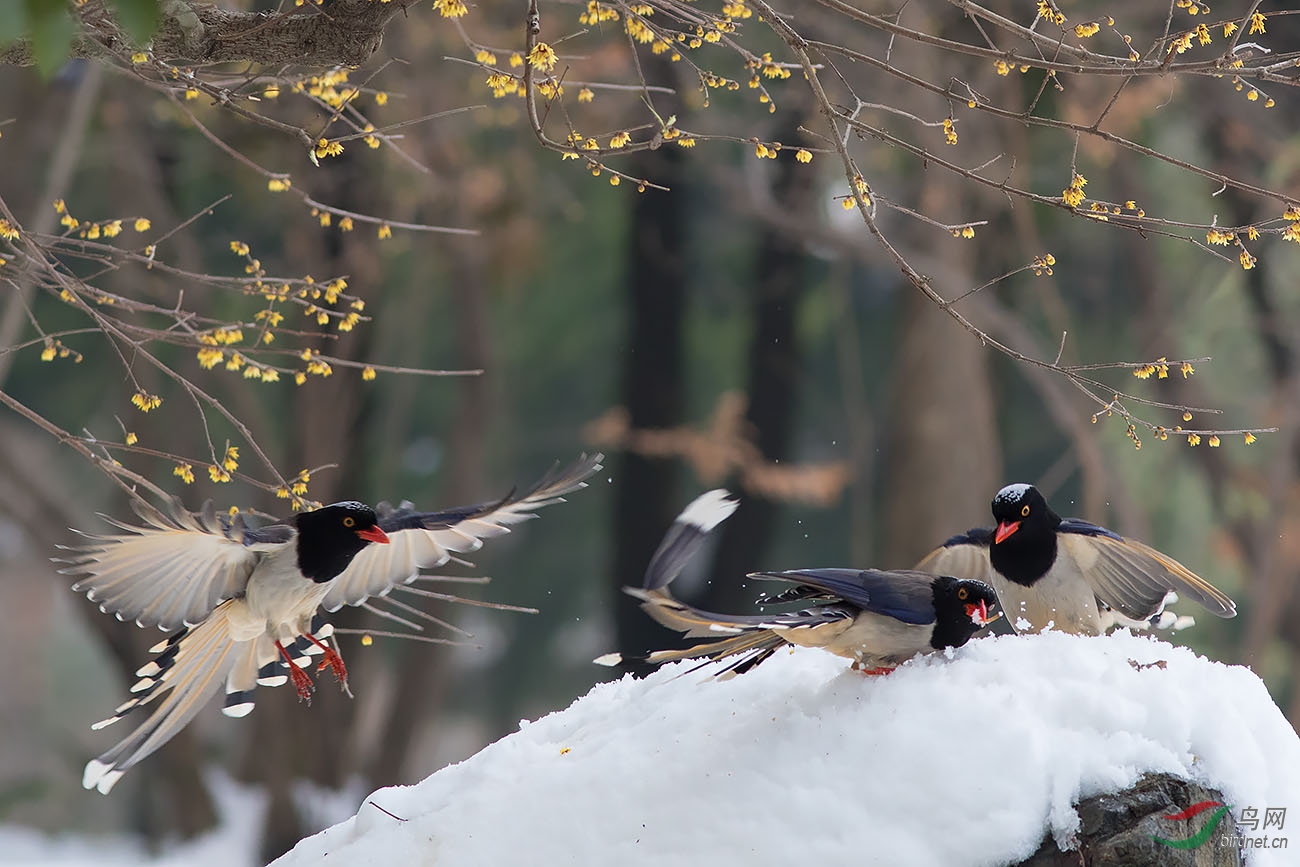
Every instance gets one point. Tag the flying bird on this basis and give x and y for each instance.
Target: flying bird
(247, 604)
(1069, 574)
(879, 619)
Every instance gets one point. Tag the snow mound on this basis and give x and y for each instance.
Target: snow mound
(963, 760)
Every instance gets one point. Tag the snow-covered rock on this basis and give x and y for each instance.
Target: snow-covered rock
(960, 760)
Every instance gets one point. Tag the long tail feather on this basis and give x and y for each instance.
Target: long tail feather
(189, 669)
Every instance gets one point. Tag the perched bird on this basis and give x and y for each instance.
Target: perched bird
(876, 618)
(1068, 574)
(247, 601)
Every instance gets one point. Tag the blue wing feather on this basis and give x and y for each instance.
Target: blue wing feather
(981, 536)
(1080, 527)
(905, 596)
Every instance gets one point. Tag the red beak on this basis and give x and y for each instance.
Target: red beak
(374, 534)
(1005, 529)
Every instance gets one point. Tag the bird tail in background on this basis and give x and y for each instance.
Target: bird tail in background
(686, 535)
(188, 668)
(749, 634)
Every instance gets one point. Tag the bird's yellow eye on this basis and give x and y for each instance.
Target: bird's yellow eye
(349, 521)
(1024, 512)
(962, 593)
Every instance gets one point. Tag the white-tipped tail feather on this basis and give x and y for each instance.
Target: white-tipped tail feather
(709, 509)
(686, 535)
(176, 684)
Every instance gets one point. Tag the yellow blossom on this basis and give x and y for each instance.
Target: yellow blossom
(231, 459)
(1219, 237)
(278, 185)
(949, 133)
(145, 402)
(112, 229)
(1083, 31)
(1250, 438)
(210, 358)
(450, 8)
(345, 224)
(142, 224)
(140, 57)
(270, 375)
(1214, 442)
(184, 472)
(1256, 24)
(217, 474)
(49, 352)
(1186, 369)
(803, 155)
(1193, 439)
(368, 374)
(299, 378)
(620, 140)
(586, 95)
(385, 232)
(542, 57)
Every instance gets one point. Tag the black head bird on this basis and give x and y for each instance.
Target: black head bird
(1068, 574)
(246, 602)
(876, 618)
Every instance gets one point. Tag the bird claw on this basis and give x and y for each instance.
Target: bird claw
(301, 682)
(300, 679)
(333, 661)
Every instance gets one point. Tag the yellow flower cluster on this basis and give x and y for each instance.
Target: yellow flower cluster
(327, 148)
(542, 57)
(144, 401)
(1046, 11)
(1073, 194)
(597, 14)
(451, 8)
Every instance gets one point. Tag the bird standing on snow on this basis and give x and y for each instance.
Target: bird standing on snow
(876, 618)
(245, 601)
(1068, 574)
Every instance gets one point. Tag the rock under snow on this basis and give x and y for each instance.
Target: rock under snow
(967, 759)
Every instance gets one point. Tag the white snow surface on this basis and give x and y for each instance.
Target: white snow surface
(963, 759)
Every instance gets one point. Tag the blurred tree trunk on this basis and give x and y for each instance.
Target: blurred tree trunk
(944, 458)
(422, 673)
(775, 366)
(647, 495)
(290, 740)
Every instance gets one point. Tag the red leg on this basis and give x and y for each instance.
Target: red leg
(301, 681)
(874, 672)
(332, 660)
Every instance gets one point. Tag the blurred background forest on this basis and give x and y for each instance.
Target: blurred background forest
(741, 327)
